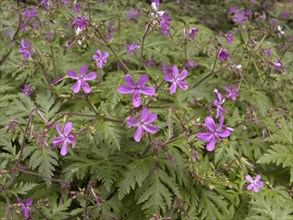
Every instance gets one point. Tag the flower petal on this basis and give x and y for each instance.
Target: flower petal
(144, 114)
(142, 80)
(83, 70)
(76, 86)
(151, 129)
(224, 134)
(28, 202)
(132, 122)
(173, 88)
(204, 136)
(255, 189)
(210, 123)
(211, 145)
(150, 91)
(58, 141)
(183, 74)
(169, 77)
(249, 178)
(90, 76)
(260, 184)
(86, 87)
(58, 129)
(129, 80)
(175, 71)
(138, 134)
(68, 128)
(221, 122)
(257, 178)
(63, 151)
(136, 99)
(106, 54)
(249, 187)
(183, 85)
(125, 90)
(71, 139)
(150, 118)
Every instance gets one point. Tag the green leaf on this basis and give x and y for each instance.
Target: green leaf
(21, 188)
(47, 102)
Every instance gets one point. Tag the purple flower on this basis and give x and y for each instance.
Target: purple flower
(136, 88)
(25, 207)
(64, 138)
(144, 125)
(248, 12)
(233, 9)
(76, 8)
(164, 23)
(166, 68)
(30, 13)
(214, 134)
(131, 48)
(286, 15)
(176, 79)
(240, 17)
(273, 22)
(25, 49)
(232, 92)
(149, 63)
(218, 103)
(190, 64)
(27, 90)
(192, 32)
(80, 23)
(254, 184)
(81, 79)
(100, 58)
(109, 37)
(133, 14)
(223, 55)
(278, 66)
(229, 37)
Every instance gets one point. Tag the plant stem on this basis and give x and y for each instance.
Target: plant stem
(142, 45)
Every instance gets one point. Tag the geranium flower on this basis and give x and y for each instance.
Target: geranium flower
(131, 48)
(80, 23)
(240, 17)
(223, 55)
(192, 32)
(30, 13)
(101, 58)
(176, 79)
(229, 37)
(81, 79)
(25, 49)
(232, 92)
(214, 134)
(254, 184)
(27, 90)
(218, 103)
(64, 138)
(25, 207)
(136, 88)
(144, 125)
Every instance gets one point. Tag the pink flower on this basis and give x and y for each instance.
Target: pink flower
(218, 103)
(223, 55)
(176, 79)
(25, 49)
(27, 90)
(81, 79)
(30, 13)
(190, 64)
(25, 207)
(229, 37)
(100, 58)
(254, 184)
(80, 23)
(136, 88)
(131, 48)
(214, 134)
(232, 92)
(64, 138)
(192, 32)
(144, 125)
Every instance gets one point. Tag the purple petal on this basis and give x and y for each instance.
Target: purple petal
(142, 80)
(136, 100)
(175, 71)
(228, 89)
(260, 184)
(255, 189)
(144, 114)
(183, 85)
(72, 74)
(210, 123)
(23, 43)
(150, 91)
(125, 90)
(21, 50)
(204, 136)
(138, 134)
(99, 53)
(249, 187)
(83, 70)
(151, 129)
(221, 122)
(249, 178)
(71, 139)
(58, 129)
(173, 88)
(90, 76)
(257, 178)
(183, 74)
(129, 80)
(132, 122)
(63, 151)
(211, 145)
(68, 128)
(169, 77)
(150, 118)
(19, 201)
(106, 54)
(28, 202)
(85, 87)
(58, 141)
(224, 134)
(95, 57)
(76, 86)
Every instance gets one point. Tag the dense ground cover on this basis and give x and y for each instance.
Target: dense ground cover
(146, 109)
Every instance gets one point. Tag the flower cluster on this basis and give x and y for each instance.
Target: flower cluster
(25, 49)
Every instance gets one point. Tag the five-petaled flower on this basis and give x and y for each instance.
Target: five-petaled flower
(30, 13)
(215, 133)
(240, 17)
(229, 37)
(223, 55)
(192, 32)
(81, 79)
(131, 48)
(64, 138)
(27, 90)
(176, 79)
(232, 92)
(254, 184)
(81, 23)
(136, 88)
(101, 58)
(25, 49)
(25, 207)
(218, 103)
(144, 124)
